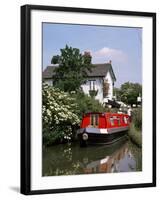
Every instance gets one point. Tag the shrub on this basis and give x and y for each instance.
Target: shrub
(59, 115)
(93, 93)
(137, 118)
(135, 135)
(87, 104)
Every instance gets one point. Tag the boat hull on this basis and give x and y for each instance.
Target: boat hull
(87, 137)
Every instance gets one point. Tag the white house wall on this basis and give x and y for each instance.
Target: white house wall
(86, 87)
(98, 86)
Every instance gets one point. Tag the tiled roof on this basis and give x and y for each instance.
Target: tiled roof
(48, 72)
(98, 70)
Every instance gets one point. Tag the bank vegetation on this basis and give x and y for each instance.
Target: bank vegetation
(135, 131)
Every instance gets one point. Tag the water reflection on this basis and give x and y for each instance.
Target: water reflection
(72, 159)
(121, 160)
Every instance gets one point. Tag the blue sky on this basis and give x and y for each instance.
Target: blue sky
(121, 45)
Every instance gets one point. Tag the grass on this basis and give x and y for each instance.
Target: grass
(135, 135)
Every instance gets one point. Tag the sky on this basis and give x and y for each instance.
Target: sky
(121, 45)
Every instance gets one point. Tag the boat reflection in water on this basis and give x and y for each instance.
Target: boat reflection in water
(121, 160)
(122, 156)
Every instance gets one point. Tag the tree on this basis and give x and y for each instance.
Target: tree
(86, 104)
(72, 70)
(128, 92)
(117, 93)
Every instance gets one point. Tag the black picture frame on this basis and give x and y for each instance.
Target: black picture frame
(26, 98)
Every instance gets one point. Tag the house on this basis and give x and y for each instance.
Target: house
(100, 81)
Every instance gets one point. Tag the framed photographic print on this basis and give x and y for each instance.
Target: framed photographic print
(88, 99)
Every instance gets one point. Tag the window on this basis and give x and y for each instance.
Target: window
(92, 84)
(112, 121)
(94, 120)
(118, 121)
(125, 120)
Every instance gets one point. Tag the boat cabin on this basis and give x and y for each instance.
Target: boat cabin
(104, 120)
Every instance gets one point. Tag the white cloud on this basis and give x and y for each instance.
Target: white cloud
(107, 53)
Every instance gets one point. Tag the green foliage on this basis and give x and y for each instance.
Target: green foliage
(55, 59)
(137, 118)
(93, 93)
(72, 70)
(87, 104)
(135, 135)
(135, 131)
(59, 116)
(117, 93)
(128, 92)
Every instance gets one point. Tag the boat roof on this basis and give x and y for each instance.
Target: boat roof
(105, 113)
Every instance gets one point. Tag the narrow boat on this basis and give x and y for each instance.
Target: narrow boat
(102, 128)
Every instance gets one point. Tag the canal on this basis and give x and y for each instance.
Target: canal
(71, 159)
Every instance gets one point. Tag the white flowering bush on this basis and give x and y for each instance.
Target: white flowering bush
(59, 115)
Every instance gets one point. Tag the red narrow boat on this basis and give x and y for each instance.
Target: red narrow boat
(102, 128)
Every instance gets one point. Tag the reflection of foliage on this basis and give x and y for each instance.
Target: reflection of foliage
(93, 93)
(58, 115)
(59, 161)
(105, 88)
(137, 153)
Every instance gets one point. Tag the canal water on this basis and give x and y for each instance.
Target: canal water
(71, 159)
